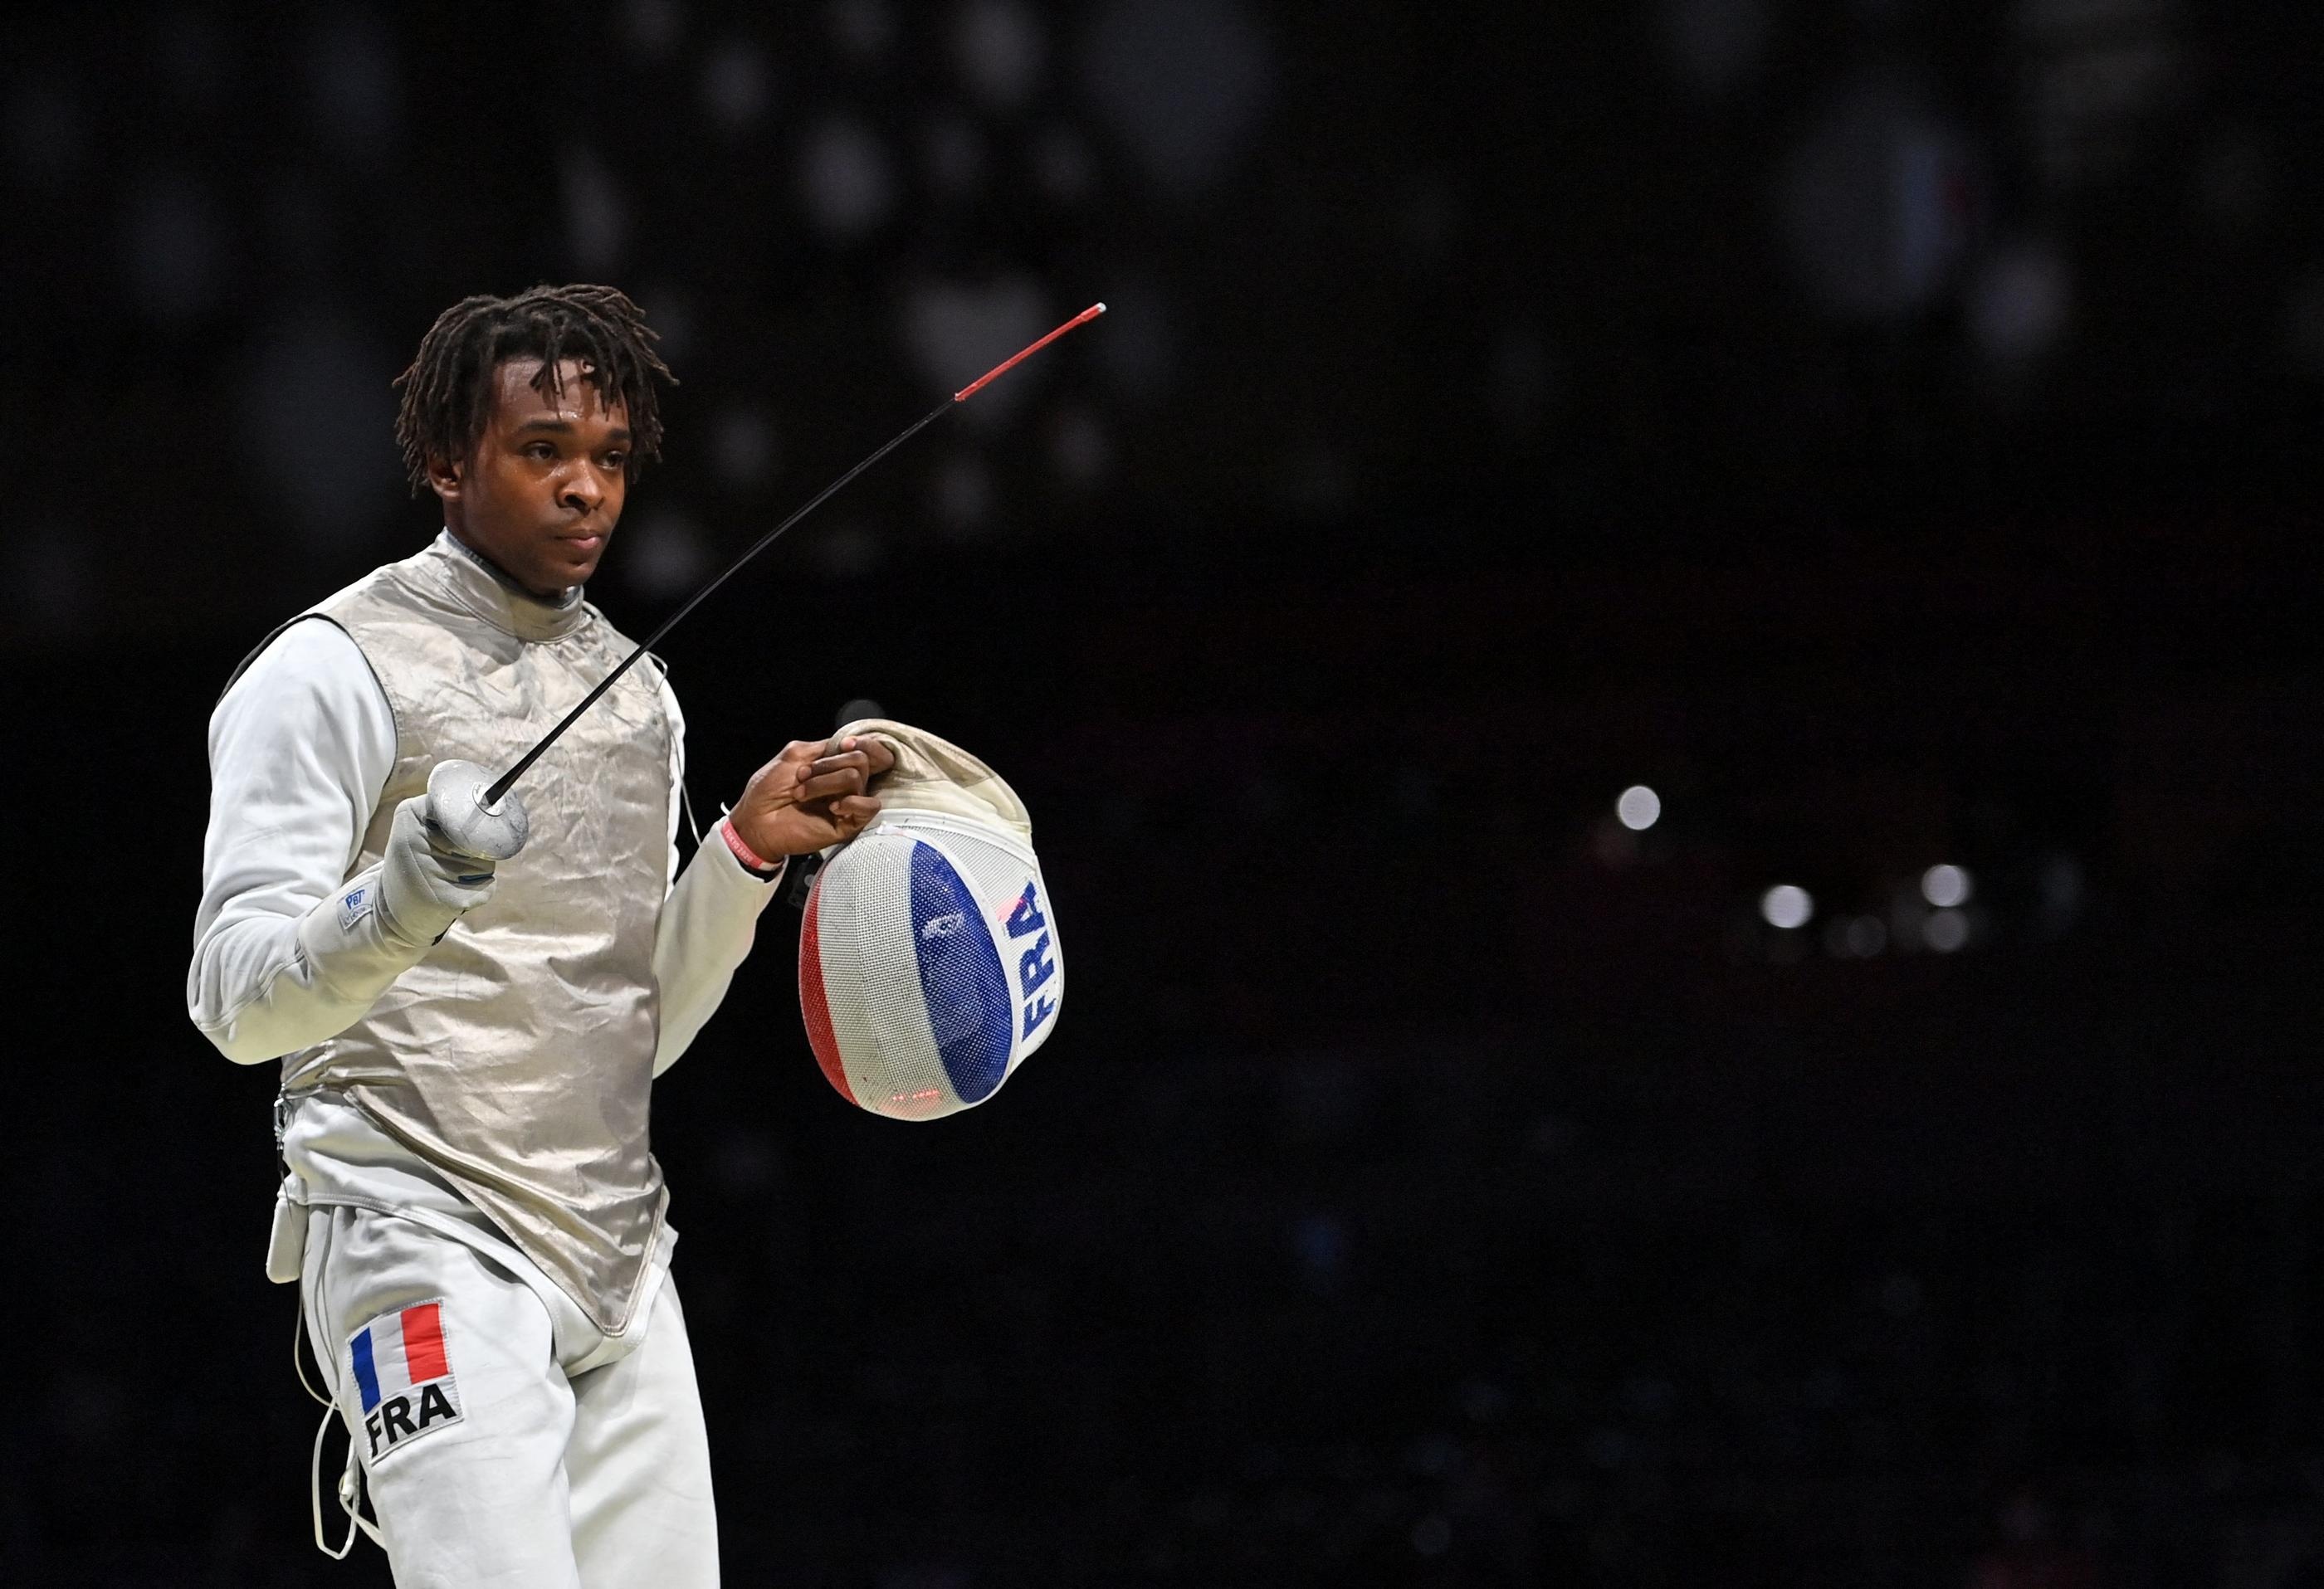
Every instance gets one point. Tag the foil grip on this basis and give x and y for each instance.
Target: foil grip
(457, 814)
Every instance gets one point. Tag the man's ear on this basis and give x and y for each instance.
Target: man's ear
(444, 475)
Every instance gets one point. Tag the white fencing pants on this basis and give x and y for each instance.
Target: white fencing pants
(505, 1440)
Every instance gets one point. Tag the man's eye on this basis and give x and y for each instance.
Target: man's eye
(616, 460)
(541, 450)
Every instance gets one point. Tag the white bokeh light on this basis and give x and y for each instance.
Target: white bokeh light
(1786, 906)
(1946, 887)
(1640, 808)
(1945, 932)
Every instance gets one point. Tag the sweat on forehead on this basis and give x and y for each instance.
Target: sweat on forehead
(594, 336)
(528, 385)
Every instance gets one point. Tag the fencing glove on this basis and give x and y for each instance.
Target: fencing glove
(385, 918)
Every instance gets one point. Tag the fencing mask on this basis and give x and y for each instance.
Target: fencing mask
(928, 960)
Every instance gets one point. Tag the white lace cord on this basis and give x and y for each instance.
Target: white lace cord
(298, 1361)
(351, 1483)
(351, 1479)
(315, 1495)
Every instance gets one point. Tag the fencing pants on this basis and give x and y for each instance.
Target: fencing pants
(506, 1441)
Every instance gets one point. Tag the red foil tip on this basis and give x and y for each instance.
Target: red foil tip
(1010, 362)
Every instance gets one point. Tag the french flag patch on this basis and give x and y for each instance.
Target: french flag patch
(402, 1369)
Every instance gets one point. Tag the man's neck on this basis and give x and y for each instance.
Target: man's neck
(562, 597)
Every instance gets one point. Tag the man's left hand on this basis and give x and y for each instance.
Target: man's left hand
(816, 793)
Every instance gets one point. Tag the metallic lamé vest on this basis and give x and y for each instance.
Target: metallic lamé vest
(517, 1056)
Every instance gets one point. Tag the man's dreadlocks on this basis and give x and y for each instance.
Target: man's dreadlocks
(449, 389)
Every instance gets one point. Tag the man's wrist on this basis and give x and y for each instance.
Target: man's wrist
(752, 861)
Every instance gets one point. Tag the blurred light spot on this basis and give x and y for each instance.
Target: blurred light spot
(1319, 1243)
(862, 27)
(963, 491)
(1855, 938)
(89, 1409)
(1714, 44)
(1907, 912)
(1640, 808)
(1551, 1135)
(746, 1162)
(743, 448)
(2062, 890)
(847, 550)
(1877, 204)
(653, 26)
(318, 417)
(48, 136)
(596, 222)
(2092, 71)
(1138, 355)
(2231, 184)
(48, 578)
(1429, 220)
(1946, 886)
(191, 54)
(1612, 844)
(1079, 447)
(843, 174)
(1431, 1535)
(174, 244)
(664, 555)
(955, 332)
(1520, 378)
(998, 46)
(1607, 1447)
(736, 90)
(670, 311)
(955, 158)
(1649, 1396)
(1899, 1296)
(2303, 321)
(1945, 931)
(2019, 301)
(1431, 1456)
(1183, 82)
(857, 709)
(1317, 480)
(1063, 168)
(1786, 906)
(351, 86)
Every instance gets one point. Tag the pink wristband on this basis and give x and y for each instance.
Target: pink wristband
(743, 852)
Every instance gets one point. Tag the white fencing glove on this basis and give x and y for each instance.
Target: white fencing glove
(385, 918)
(424, 884)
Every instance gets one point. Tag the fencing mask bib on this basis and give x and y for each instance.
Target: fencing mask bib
(928, 961)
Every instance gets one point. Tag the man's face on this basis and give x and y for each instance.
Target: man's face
(542, 490)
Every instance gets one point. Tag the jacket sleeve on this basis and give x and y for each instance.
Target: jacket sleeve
(300, 749)
(708, 921)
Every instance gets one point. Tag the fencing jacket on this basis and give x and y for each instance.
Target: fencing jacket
(515, 1056)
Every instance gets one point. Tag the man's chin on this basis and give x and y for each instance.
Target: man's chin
(572, 562)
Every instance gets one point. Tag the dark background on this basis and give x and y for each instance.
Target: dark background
(1886, 429)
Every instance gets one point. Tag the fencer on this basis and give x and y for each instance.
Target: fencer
(470, 1205)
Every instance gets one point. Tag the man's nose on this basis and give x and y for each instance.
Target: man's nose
(582, 490)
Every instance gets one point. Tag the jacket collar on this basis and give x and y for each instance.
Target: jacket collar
(473, 582)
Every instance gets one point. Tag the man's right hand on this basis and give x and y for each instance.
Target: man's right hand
(424, 886)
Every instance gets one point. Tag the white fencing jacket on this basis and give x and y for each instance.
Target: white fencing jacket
(300, 747)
